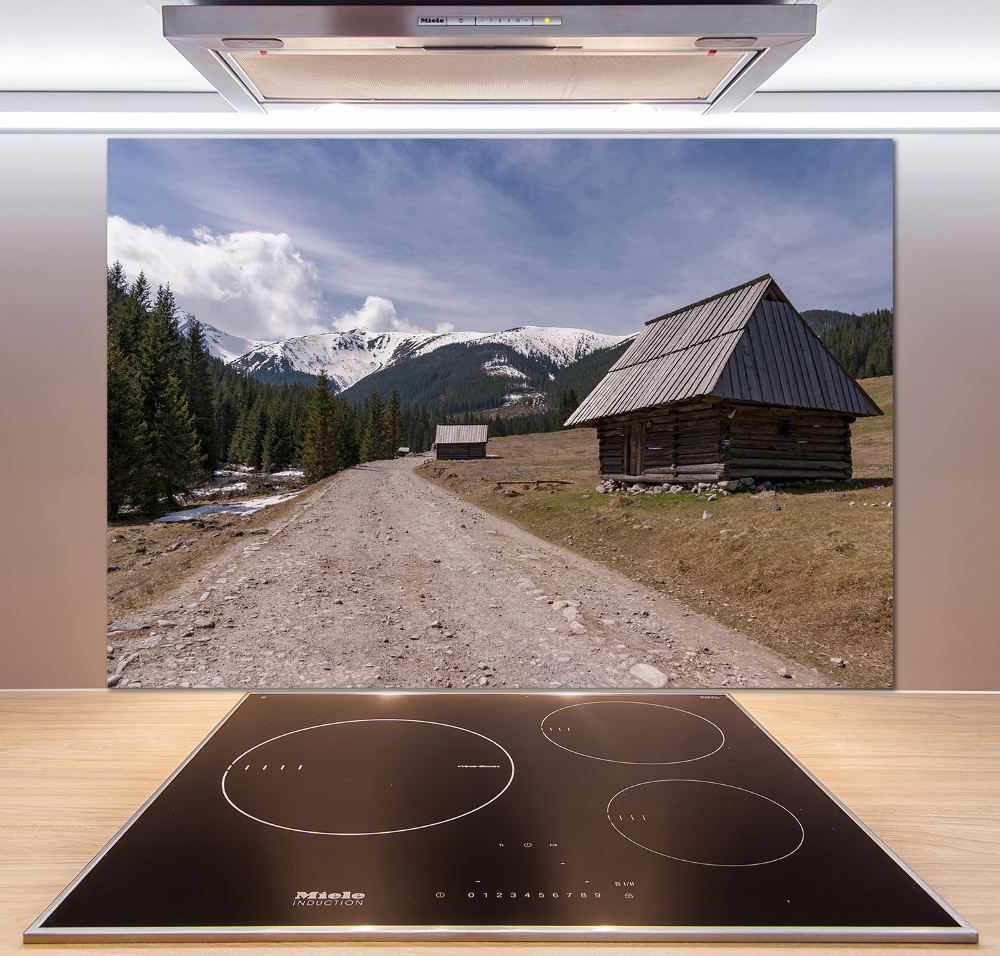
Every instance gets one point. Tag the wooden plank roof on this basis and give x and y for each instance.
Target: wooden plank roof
(460, 434)
(747, 344)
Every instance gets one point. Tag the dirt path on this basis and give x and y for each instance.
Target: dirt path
(380, 579)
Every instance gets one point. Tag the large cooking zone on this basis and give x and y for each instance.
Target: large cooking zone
(498, 816)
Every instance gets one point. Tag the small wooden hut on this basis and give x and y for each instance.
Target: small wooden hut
(734, 386)
(460, 441)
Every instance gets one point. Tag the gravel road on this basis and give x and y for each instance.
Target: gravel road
(381, 579)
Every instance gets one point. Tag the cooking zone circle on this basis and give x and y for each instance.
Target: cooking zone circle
(366, 777)
(632, 732)
(699, 821)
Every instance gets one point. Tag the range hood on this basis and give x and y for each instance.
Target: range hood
(693, 57)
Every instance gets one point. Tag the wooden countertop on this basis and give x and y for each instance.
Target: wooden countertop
(921, 770)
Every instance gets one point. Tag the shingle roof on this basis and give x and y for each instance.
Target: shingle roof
(747, 343)
(460, 434)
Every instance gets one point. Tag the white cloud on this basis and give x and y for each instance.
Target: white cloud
(378, 314)
(254, 284)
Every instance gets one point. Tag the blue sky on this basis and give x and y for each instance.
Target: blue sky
(267, 238)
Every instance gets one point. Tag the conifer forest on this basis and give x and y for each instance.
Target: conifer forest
(176, 413)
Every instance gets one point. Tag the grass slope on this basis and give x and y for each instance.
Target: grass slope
(813, 581)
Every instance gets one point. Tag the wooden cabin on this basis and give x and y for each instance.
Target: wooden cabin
(733, 386)
(460, 441)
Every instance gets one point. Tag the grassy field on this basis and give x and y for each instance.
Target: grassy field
(813, 580)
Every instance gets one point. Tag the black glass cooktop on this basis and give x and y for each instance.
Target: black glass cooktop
(503, 816)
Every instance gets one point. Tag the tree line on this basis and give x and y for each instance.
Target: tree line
(176, 413)
(862, 343)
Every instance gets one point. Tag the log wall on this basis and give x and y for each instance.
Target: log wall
(461, 451)
(770, 442)
(697, 441)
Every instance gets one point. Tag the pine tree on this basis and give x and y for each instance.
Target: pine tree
(277, 447)
(173, 459)
(248, 441)
(373, 428)
(393, 431)
(319, 444)
(163, 310)
(225, 418)
(245, 396)
(200, 393)
(117, 282)
(177, 458)
(126, 311)
(349, 441)
(126, 464)
(140, 292)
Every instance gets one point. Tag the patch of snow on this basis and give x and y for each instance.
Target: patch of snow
(499, 368)
(290, 473)
(243, 508)
(524, 398)
(221, 486)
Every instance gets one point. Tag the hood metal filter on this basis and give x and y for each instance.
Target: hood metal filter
(490, 76)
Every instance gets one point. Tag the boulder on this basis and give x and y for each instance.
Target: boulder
(651, 675)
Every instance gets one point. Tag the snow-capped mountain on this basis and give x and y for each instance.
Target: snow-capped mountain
(223, 345)
(561, 347)
(348, 357)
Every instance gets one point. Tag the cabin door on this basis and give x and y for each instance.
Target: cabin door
(634, 441)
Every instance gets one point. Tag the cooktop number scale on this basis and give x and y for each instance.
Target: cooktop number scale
(584, 816)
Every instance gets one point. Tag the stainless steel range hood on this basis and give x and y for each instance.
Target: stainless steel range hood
(693, 57)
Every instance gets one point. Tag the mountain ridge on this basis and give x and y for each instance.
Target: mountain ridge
(349, 357)
(458, 372)
(221, 344)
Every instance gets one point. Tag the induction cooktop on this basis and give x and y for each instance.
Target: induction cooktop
(536, 816)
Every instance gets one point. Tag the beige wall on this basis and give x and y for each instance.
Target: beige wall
(52, 557)
(52, 356)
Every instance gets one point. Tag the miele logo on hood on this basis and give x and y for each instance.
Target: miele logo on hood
(323, 898)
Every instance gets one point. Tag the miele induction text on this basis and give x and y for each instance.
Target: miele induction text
(318, 898)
